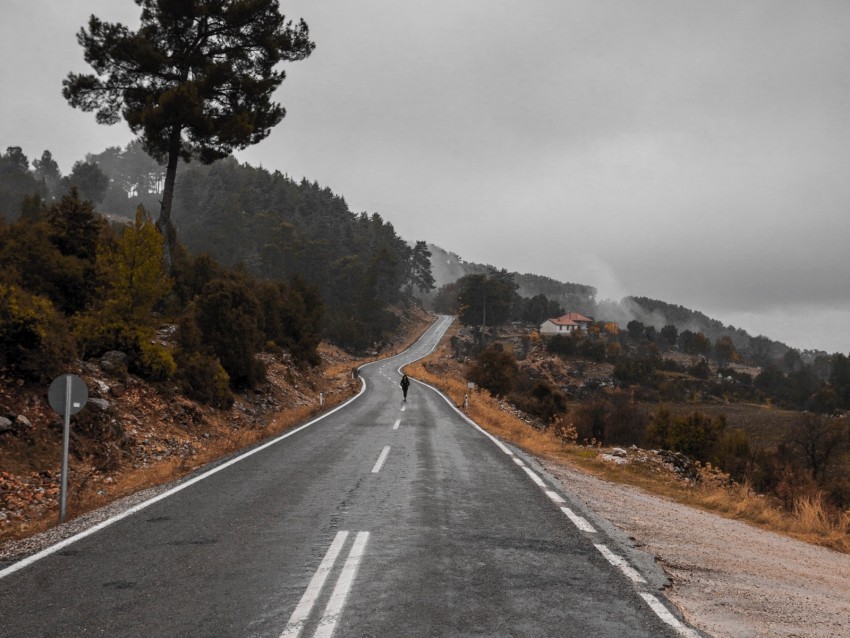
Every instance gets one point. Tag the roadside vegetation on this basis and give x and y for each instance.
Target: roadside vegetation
(769, 444)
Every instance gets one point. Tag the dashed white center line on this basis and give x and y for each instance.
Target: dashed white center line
(620, 563)
(397, 423)
(381, 459)
(327, 624)
(302, 611)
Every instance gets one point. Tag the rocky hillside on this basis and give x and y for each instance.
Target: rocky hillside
(133, 434)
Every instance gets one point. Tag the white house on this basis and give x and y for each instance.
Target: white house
(566, 324)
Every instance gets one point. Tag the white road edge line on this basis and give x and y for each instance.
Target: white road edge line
(537, 480)
(381, 459)
(555, 497)
(314, 588)
(665, 615)
(579, 521)
(29, 560)
(620, 563)
(327, 624)
(397, 423)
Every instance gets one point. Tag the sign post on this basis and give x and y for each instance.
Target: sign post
(67, 395)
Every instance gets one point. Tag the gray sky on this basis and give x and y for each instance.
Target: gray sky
(690, 151)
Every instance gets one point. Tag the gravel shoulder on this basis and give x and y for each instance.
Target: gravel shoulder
(729, 579)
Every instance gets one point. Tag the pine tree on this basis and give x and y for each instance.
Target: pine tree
(195, 81)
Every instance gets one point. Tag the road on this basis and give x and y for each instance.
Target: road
(383, 518)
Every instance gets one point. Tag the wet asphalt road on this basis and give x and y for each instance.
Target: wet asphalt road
(384, 518)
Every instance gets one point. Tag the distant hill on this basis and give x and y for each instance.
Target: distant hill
(448, 267)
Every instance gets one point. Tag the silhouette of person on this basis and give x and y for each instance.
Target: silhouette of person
(405, 384)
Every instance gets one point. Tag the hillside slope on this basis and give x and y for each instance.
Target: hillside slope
(133, 434)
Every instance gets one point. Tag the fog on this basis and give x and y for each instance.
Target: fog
(686, 151)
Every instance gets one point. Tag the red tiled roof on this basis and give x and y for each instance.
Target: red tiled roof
(571, 319)
(563, 321)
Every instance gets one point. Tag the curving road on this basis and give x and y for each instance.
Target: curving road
(383, 518)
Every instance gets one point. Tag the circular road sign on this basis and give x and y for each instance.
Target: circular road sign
(56, 395)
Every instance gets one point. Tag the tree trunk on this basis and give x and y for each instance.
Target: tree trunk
(164, 224)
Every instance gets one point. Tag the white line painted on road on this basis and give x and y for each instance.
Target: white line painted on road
(29, 560)
(397, 423)
(333, 611)
(305, 606)
(667, 617)
(534, 477)
(620, 563)
(578, 521)
(555, 497)
(381, 459)
(403, 408)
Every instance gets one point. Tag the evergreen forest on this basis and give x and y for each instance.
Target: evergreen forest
(262, 262)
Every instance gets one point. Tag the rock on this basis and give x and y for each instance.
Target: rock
(5, 425)
(117, 390)
(618, 451)
(610, 458)
(103, 404)
(23, 422)
(100, 387)
(114, 362)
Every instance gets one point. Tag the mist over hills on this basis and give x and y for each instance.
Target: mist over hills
(447, 267)
(277, 227)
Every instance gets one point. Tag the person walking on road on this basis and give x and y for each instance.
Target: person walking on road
(405, 384)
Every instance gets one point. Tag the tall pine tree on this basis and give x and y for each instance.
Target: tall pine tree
(195, 81)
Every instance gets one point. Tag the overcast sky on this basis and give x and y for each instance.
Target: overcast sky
(690, 151)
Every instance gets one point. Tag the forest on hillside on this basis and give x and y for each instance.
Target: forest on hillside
(277, 228)
(262, 262)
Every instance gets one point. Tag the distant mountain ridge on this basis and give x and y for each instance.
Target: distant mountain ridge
(447, 267)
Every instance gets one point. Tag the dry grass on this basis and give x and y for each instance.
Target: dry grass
(809, 521)
(224, 442)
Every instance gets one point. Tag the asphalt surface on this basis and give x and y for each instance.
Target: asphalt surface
(384, 518)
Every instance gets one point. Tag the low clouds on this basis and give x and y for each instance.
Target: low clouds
(693, 152)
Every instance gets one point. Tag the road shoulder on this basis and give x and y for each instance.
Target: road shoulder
(729, 579)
